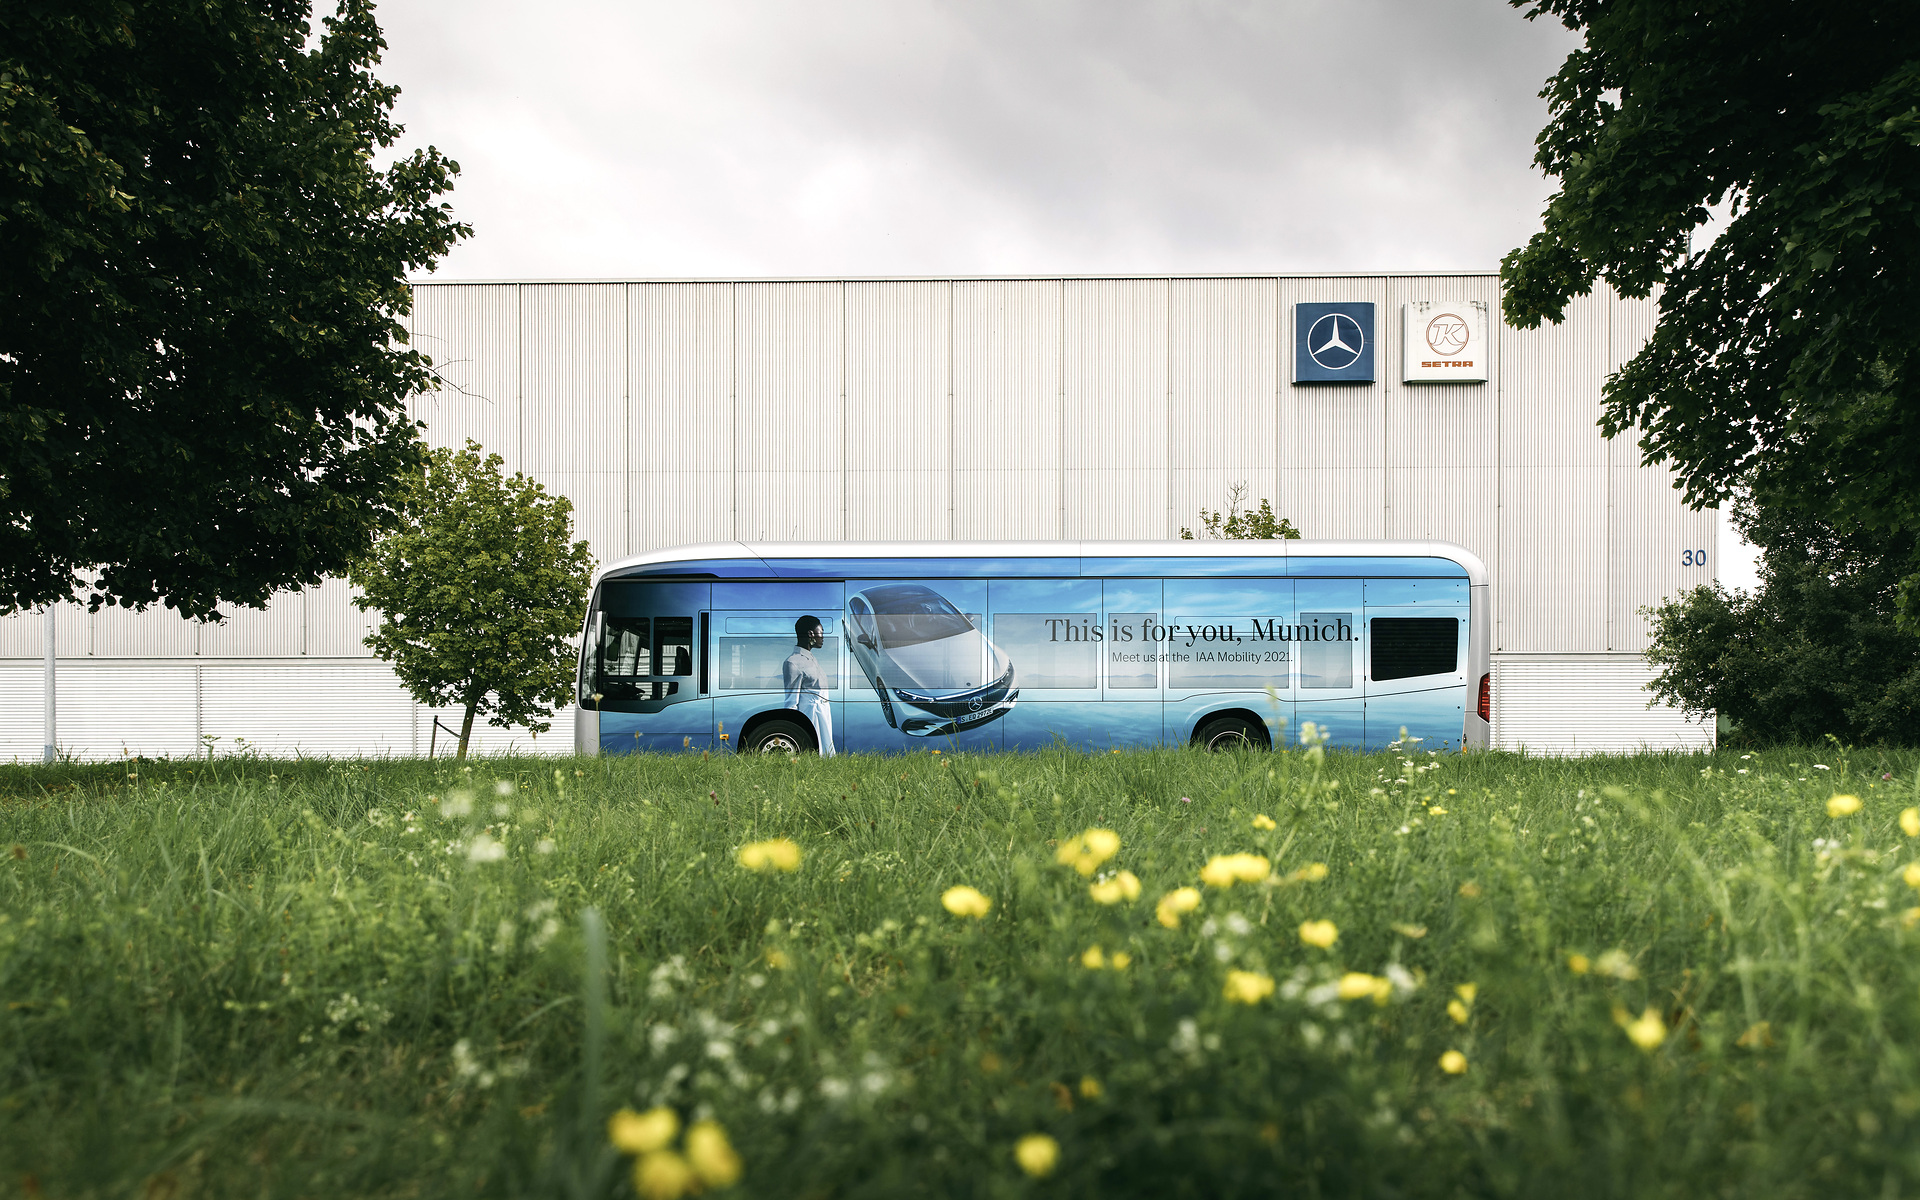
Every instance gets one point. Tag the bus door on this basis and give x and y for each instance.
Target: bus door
(1416, 662)
(1131, 670)
(1050, 632)
(1327, 632)
(753, 635)
(642, 667)
(1222, 649)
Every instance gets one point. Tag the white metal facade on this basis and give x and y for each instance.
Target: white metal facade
(1018, 408)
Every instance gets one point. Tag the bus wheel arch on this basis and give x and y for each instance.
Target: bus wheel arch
(1221, 729)
(779, 730)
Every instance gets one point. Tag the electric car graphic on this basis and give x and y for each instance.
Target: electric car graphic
(935, 673)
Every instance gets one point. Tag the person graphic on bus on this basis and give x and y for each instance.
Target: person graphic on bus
(806, 681)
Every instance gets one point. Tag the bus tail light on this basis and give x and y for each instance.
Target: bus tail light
(1486, 698)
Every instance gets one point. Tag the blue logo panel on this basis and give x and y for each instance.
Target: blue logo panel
(1333, 343)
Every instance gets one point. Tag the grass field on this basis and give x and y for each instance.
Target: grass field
(1645, 976)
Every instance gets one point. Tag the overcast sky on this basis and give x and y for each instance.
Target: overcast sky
(631, 139)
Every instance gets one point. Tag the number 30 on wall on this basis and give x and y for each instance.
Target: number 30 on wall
(1693, 558)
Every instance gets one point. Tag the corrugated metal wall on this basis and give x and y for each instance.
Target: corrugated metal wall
(1223, 385)
(899, 405)
(998, 408)
(160, 708)
(1585, 704)
(1007, 408)
(679, 444)
(790, 412)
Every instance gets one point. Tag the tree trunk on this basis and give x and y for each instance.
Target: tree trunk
(466, 729)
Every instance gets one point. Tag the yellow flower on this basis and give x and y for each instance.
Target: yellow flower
(1616, 963)
(1578, 964)
(1910, 918)
(1842, 805)
(1225, 870)
(1467, 991)
(642, 1133)
(1457, 1011)
(1093, 959)
(711, 1155)
(1120, 960)
(1086, 852)
(1910, 822)
(1437, 811)
(1248, 987)
(1311, 873)
(663, 1175)
(1124, 886)
(778, 960)
(1358, 985)
(1090, 1088)
(1911, 876)
(1037, 1154)
(1262, 821)
(1647, 1031)
(779, 854)
(964, 901)
(1175, 902)
(1321, 934)
(1453, 1063)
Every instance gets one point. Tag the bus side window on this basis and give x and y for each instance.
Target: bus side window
(633, 652)
(1326, 650)
(1404, 647)
(621, 657)
(1130, 657)
(673, 645)
(623, 646)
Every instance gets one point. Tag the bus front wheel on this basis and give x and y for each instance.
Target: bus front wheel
(1229, 733)
(780, 737)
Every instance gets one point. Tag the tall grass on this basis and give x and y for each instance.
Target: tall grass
(384, 978)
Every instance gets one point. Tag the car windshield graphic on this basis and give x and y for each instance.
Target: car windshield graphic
(908, 615)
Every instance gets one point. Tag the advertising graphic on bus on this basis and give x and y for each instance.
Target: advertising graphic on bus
(1008, 646)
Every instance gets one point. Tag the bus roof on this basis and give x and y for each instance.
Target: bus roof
(1092, 559)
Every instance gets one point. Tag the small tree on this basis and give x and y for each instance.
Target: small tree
(1240, 521)
(481, 590)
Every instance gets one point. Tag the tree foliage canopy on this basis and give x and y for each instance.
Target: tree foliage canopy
(1241, 520)
(1815, 652)
(481, 590)
(1786, 358)
(202, 370)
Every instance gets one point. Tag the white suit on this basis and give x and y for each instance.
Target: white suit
(807, 694)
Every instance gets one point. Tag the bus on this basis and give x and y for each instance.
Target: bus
(980, 646)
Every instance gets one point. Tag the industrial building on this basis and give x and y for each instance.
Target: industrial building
(1006, 408)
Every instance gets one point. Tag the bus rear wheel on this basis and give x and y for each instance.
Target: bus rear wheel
(780, 737)
(1230, 733)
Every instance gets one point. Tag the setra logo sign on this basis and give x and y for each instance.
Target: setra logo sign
(1444, 341)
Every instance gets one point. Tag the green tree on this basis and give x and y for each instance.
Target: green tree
(1240, 521)
(1814, 652)
(1785, 358)
(203, 372)
(481, 591)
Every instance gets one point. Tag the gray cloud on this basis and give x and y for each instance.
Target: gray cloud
(604, 139)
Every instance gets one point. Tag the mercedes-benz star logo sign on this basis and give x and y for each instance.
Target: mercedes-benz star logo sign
(1447, 335)
(1335, 341)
